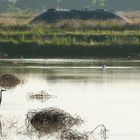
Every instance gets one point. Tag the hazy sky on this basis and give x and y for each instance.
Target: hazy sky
(78, 4)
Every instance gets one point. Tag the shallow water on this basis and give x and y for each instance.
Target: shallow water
(108, 96)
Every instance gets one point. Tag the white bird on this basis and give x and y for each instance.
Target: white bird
(104, 67)
(1, 95)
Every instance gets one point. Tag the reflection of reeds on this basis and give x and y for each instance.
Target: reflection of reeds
(50, 120)
(42, 96)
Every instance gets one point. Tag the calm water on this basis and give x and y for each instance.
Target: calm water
(110, 97)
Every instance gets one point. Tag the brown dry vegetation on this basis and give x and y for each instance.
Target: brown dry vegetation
(8, 80)
(69, 38)
(134, 16)
(16, 18)
(50, 120)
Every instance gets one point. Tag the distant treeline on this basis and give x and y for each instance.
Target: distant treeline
(40, 5)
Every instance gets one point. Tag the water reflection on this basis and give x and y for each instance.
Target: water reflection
(0, 129)
(82, 87)
(41, 96)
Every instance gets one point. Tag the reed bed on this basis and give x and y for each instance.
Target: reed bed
(69, 37)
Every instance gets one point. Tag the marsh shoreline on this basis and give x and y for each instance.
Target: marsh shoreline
(68, 39)
(52, 51)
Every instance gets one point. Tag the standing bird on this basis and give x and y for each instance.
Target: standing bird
(1, 95)
(104, 67)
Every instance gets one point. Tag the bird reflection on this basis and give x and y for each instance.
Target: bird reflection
(0, 129)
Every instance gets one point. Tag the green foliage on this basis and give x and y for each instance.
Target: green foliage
(71, 38)
(54, 35)
(31, 4)
(99, 2)
(42, 5)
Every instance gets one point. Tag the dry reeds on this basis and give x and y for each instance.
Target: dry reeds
(50, 120)
(70, 134)
(9, 80)
(69, 38)
(57, 122)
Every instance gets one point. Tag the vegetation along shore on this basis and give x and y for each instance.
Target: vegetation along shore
(68, 38)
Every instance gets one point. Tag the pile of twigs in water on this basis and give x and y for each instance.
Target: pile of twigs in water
(8, 80)
(50, 120)
(70, 134)
(42, 95)
(100, 132)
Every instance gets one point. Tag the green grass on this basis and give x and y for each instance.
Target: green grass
(70, 38)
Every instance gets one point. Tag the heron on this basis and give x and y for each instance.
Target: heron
(1, 95)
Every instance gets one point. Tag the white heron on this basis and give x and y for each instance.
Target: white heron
(1, 95)
(104, 67)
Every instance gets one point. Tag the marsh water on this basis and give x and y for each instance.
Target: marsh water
(109, 96)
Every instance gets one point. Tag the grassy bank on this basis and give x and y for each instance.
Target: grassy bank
(71, 38)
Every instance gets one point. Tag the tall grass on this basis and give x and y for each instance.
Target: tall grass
(68, 37)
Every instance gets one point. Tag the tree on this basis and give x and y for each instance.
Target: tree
(40, 5)
(45, 4)
(99, 3)
(75, 4)
(123, 4)
(31, 4)
(6, 6)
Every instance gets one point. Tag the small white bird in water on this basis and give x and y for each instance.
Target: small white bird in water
(104, 67)
(1, 95)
